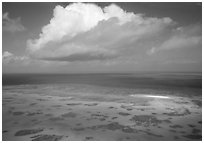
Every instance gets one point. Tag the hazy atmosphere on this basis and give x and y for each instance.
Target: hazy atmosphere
(101, 37)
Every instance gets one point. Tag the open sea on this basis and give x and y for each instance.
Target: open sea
(184, 84)
(141, 106)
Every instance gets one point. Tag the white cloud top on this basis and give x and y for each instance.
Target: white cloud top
(86, 32)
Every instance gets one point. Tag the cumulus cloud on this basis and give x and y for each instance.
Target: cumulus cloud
(11, 25)
(87, 32)
(182, 37)
(8, 58)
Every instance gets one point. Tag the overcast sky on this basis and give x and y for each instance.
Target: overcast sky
(101, 37)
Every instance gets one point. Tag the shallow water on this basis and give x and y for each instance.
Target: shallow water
(102, 107)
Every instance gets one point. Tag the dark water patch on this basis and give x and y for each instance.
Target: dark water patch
(145, 120)
(88, 119)
(99, 116)
(169, 108)
(89, 138)
(111, 107)
(15, 123)
(148, 129)
(197, 102)
(32, 104)
(69, 115)
(127, 129)
(176, 138)
(114, 118)
(112, 126)
(192, 126)
(37, 122)
(144, 104)
(194, 137)
(56, 106)
(127, 137)
(152, 134)
(91, 104)
(18, 113)
(102, 119)
(175, 113)
(4, 131)
(141, 109)
(34, 120)
(171, 130)
(47, 138)
(56, 119)
(196, 131)
(11, 108)
(181, 102)
(67, 98)
(115, 126)
(48, 115)
(34, 113)
(200, 122)
(197, 112)
(126, 107)
(123, 113)
(42, 99)
(176, 126)
(74, 104)
(78, 129)
(10, 111)
(183, 132)
(79, 124)
(28, 132)
(8, 98)
(166, 121)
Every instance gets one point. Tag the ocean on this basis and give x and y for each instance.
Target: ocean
(139, 106)
(182, 83)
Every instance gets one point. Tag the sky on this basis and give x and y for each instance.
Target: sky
(101, 37)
